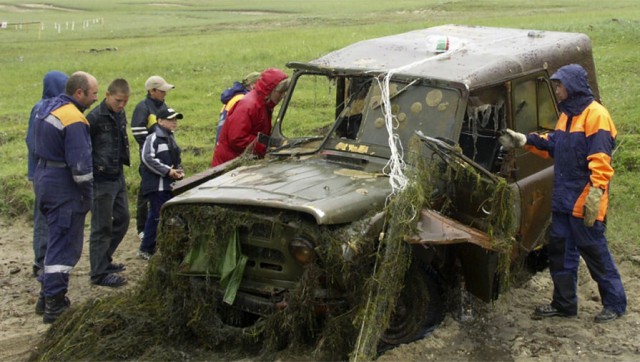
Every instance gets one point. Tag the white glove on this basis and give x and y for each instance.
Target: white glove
(512, 139)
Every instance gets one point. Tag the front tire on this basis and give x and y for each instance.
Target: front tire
(419, 308)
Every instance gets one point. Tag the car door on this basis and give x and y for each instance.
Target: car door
(533, 109)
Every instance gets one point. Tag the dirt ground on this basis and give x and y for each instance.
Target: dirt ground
(503, 331)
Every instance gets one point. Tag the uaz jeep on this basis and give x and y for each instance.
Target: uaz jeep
(290, 231)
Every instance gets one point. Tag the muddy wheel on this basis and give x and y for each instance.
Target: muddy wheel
(419, 308)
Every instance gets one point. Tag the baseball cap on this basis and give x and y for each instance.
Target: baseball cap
(157, 82)
(168, 113)
(250, 78)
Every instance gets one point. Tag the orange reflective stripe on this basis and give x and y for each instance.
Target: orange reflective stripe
(578, 207)
(69, 114)
(601, 169)
(561, 125)
(537, 152)
(599, 119)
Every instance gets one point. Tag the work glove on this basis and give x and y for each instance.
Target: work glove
(592, 206)
(511, 139)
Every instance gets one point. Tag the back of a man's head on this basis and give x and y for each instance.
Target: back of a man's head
(77, 80)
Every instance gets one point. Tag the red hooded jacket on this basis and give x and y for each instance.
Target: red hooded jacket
(250, 115)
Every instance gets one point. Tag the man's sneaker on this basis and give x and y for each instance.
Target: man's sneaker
(606, 315)
(547, 310)
(40, 305)
(110, 280)
(115, 268)
(144, 255)
(141, 235)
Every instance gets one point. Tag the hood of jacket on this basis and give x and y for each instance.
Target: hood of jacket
(268, 82)
(54, 103)
(53, 84)
(236, 88)
(579, 94)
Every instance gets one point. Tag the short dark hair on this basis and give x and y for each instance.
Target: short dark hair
(118, 86)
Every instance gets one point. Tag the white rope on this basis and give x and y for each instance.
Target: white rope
(394, 169)
(395, 166)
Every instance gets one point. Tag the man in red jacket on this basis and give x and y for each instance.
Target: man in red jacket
(251, 116)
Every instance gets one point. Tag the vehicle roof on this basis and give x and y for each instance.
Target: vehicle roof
(477, 55)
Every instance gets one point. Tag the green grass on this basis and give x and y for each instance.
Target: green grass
(203, 46)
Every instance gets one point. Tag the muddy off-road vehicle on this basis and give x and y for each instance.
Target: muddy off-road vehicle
(289, 231)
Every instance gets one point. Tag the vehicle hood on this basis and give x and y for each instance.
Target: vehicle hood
(330, 192)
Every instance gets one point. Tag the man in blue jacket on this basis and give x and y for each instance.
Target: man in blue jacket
(163, 166)
(582, 147)
(64, 185)
(53, 85)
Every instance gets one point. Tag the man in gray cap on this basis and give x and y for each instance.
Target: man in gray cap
(143, 122)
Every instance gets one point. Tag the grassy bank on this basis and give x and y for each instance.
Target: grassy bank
(203, 46)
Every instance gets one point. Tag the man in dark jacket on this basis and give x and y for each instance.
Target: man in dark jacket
(52, 85)
(250, 117)
(110, 211)
(581, 146)
(143, 123)
(163, 166)
(64, 186)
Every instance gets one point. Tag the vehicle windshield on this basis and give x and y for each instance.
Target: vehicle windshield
(350, 115)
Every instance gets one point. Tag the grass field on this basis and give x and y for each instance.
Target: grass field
(203, 46)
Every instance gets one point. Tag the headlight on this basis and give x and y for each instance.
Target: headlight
(302, 250)
(175, 225)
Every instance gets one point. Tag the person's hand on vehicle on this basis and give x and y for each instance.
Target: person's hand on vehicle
(592, 205)
(512, 139)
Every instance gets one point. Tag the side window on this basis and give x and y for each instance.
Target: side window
(533, 105)
(547, 113)
(533, 110)
(525, 109)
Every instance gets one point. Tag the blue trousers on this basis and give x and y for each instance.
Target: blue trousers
(156, 200)
(569, 240)
(40, 235)
(65, 209)
(109, 223)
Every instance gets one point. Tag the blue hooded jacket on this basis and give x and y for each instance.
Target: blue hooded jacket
(582, 144)
(52, 85)
(576, 81)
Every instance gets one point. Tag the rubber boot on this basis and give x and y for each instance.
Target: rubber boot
(54, 306)
(40, 305)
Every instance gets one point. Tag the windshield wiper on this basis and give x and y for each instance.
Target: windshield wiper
(296, 142)
(446, 151)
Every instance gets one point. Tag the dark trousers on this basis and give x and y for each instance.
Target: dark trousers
(569, 240)
(40, 235)
(109, 223)
(142, 208)
(156, 200)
